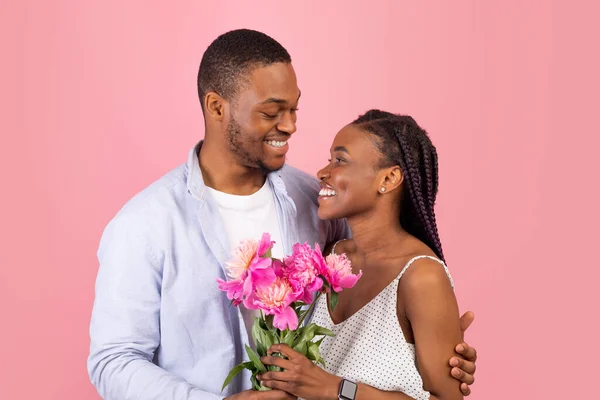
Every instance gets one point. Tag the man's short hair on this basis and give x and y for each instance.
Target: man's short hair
(233, 55)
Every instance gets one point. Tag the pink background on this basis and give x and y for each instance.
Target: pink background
(99, 99)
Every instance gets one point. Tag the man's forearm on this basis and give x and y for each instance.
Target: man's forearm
(124, 376)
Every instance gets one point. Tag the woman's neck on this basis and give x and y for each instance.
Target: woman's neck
(373, 236)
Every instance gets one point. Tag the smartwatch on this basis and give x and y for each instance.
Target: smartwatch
(347, 390)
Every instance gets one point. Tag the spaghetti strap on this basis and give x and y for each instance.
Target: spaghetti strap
(335, 244)
(412, 260)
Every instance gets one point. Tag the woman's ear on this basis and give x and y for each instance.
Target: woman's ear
(391, 179)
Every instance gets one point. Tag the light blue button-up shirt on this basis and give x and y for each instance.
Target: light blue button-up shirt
(160, 328)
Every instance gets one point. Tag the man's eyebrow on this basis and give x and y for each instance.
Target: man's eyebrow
(278, 101)
(274, 100)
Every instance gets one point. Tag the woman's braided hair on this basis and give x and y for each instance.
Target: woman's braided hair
(404, 143)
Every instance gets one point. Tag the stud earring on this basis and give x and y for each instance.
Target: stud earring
(382, 189)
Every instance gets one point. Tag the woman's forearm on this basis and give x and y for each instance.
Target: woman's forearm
(366, 392)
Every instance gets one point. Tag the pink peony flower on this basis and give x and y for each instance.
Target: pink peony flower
(247, 268)
(233, 289)
(278, 268)
(302, 269)
(338, 272)
(275, 299)
(237, 267)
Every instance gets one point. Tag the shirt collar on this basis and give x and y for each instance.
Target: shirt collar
(195, 181)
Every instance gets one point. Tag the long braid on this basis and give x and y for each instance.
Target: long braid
(415, 190)
(429, 165)
(405, 144)
(433, 176)
(426, 162)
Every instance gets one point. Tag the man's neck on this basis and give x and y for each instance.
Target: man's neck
(222, 172)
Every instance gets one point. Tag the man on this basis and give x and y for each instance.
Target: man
(160, 327)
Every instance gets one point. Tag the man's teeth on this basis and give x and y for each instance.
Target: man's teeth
(275, 143)
(327, 192)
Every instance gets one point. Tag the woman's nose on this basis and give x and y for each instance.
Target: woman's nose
(323, 174)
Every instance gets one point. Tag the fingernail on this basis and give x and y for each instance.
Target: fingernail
(455, 372)
(454, 362)
(461, 347)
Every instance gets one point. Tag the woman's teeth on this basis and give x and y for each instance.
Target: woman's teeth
(275, 143)
(327, 192)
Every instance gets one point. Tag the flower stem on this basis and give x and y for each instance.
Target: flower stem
(309, 309)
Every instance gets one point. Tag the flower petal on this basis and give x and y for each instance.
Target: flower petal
(260, 263)
(263, 277)
(233, 289)
(248, 286)
(250, 302)
(307, 297)
(278, 268)
(316, 285)
(286, 319)
(264, 245)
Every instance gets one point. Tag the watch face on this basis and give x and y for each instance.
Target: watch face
(348, 390)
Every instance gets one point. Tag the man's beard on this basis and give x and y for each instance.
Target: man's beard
(236, 144)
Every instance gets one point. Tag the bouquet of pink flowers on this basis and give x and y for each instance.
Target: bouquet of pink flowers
(281, 290)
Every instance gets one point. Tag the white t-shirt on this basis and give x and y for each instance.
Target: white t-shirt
(248, 217)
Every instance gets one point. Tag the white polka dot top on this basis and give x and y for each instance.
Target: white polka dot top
(369, 347)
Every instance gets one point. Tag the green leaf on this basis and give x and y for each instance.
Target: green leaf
(269, 323)
(263, 324)
(319, 330)
(298, 332)
(314, 353)
(288, 338)
(268, 254)
(263, 339)
(297, 306)
(255, 359)
(301, 347)
(333, 300)
(236, 370)
(307, 334)
(257, 335)
(255, 382)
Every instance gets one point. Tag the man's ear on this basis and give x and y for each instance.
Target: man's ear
(215, 106)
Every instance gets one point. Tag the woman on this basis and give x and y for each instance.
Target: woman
(396, 329)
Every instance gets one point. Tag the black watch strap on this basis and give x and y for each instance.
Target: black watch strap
(347, 390)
